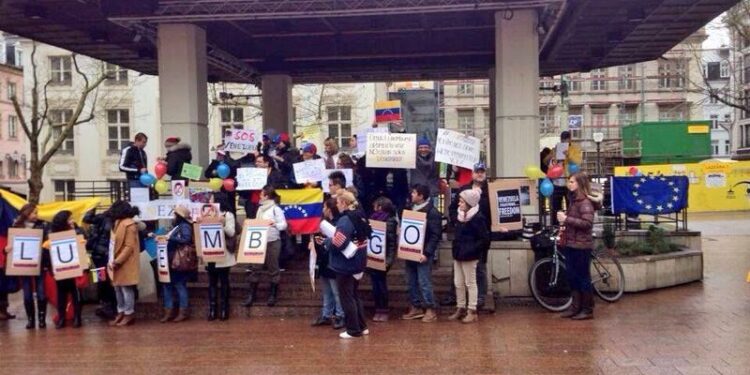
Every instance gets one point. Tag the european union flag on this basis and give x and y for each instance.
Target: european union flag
(653, 195)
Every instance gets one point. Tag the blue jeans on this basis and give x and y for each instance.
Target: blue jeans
(28, 283)
(419, 279)
(331, 299)
(379, 290)
(481, 281)
(182, 294)
(578, 268)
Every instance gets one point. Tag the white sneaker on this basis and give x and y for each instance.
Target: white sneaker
(366, 332)
(345, 335)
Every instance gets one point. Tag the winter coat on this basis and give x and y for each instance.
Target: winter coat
(211, 169)
(127, 253)
(472, 238)
(230, 230)
(322, 260)
(177, 155)
(99, 233)
(579, 223)
(391, 239)
(484, 203)
(426, 173)
(434, 230)
(132, 160)
(276, 214)
(182, 234)
(345, 234)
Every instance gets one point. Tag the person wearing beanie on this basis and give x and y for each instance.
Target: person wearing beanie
(471, 238)
(310, 151)
(426, 171)
(178, 153)
(284, 156)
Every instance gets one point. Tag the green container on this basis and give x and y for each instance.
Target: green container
(668, 142)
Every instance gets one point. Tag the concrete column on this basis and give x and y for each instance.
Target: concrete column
(492, 157)
(182, 87)
(277, 103)
(516, 93)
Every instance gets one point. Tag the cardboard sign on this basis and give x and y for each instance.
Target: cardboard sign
(111, 255)
(253, 242)
(25, 257)
(362, 136)
(457, 149)
(139, 195)
(347, 173)
(309, 171)
(251, 178)
(376, 246)
(64, 251)
(242, 140)
(162, 259)
(191, 171)
(413, 231)
(510, 199)
(164, 208)
(311, 264)
(85, 260)
(385, 150)
(210, 242)
(178, 190)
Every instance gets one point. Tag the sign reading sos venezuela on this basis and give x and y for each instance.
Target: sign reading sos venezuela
(242, 140)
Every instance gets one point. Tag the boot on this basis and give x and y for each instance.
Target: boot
(575, 306)
(127, 320)
(181, 316)
(429, 316)
(224, 304)
(471, 317)
(459, 314)
(60, 323)
(169, 315)
(251, 295)
(29, 307)
(42, 314)
(77, 315)
(587, 307)
(4, 314)
(117, 320)
(211, 303)
(273, 294)
(338, 322)
(413, 313)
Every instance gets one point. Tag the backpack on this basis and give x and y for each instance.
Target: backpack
(362, 228)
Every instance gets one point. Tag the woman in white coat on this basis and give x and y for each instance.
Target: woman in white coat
(218, 272)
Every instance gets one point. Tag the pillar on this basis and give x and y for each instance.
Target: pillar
(277, 103)
(516, 134)
(182, 87)
(492, 157)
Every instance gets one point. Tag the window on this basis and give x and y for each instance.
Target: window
(627, 115)
(672, 113)
(671, 73)
(575, 85)
(56, 119)
(546, 119)
(724, 69)
(626, 81)
(746, 101)
(714, 148)
(599, 117)
(12, 127)
(64, 189)
(599, 82)
(11, 90)
(547, 82)
(2, 174)
(727, 118)
(712, 71)
(116, 75)
(231, 118)
(746, 70)
(727, 147)
(466, 88)
(714, 121)
(60, 70)
(340, 124)
(13, 168)
(745, 136)
(118, 129)
(466, 121)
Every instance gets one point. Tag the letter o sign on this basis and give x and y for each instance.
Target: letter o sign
(411, 234)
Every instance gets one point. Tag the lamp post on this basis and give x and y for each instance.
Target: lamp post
(598, 138)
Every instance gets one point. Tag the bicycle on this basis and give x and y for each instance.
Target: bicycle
(548, 281)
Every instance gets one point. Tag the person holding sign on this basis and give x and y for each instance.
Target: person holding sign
(179, 239)
(472, 238)
(28, 219)
(332, 313)
(218, 272)
(274, 217)
(419, 274)
(62, 222)
(98, 245)
(383, 210)
(125, 263)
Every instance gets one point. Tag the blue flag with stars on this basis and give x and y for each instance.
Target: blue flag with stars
(652, 195)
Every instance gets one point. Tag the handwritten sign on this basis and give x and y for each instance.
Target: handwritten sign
(139, 195)
(411, 240)
(309, 171)
(251, 178)
(242, 140)
(162, 259)
(64, 251)
(376, 247)
(457, 149)
(210, 242)
(253, 242)
(191, 171)
(385, 150)
(347, 173)
(362, 136)
(25, 258)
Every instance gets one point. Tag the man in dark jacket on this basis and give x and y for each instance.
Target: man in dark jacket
(133, 160)
(285, 156)
(419, 274)
(222, 157)
(426, 172)
(98, 245)
(177, 154)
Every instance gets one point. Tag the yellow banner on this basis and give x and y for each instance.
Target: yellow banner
(48, 210)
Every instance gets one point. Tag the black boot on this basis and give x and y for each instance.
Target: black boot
(42, 313)
(224, 303)
(575, 306)
(587, 307)
(211, 303)
(251, 296)
(77, 314)
(30, 315)
(272, 294)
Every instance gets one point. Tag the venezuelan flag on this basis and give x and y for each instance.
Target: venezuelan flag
(389, 110)
(303, 209)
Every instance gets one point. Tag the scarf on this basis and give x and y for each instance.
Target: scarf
(330, 164)
(419, 207)
(465, 216)
(265, 205)
(379, 216)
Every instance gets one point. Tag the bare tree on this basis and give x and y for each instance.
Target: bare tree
(43, 141)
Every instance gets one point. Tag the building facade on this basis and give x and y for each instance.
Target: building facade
(717, 76)
(741, 87)
(14, 147)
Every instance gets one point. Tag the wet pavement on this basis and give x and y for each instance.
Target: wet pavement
(699, 328)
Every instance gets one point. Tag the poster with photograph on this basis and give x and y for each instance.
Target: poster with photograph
(510, 200)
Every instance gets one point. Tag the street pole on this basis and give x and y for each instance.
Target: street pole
(598, 138)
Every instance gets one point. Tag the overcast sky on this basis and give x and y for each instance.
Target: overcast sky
(717, 34)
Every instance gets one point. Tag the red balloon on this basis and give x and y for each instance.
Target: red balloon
(556, 171)
(160, 170)
(228, 184)
(633, 171)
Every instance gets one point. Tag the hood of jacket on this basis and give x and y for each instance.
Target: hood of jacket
(178, 147)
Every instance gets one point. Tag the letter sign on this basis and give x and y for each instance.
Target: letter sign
(66, 260)
(162, 260)
(253, 242)
(210, 243)
(411, 241)
(26, 251)
(376, 246)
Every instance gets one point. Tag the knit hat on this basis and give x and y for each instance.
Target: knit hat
(423, 141)
(170, 141)
(480, 167)
(310, 148)
(281, 137)
(183, 212)
(470, 196)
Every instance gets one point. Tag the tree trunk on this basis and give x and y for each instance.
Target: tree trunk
(35, 185)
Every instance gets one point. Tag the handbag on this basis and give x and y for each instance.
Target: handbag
(185, 258)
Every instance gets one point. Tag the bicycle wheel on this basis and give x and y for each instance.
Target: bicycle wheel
(548, 287)
(607, 276)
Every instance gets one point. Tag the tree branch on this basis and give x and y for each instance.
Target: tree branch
(21, 118)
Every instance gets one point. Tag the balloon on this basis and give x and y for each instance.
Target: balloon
(223, 170)
(573, 168)
(555, 171)
(533, 172)
(228, 184)
(546, 187)
(215, 184)
(160, 169)
(161, 186)
(147, 179)
(633, 171)
(639, 174)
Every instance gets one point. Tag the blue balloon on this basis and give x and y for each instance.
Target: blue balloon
(546, 187)
(573, 168)
(147, 179)
(639, 173)
(223, 170)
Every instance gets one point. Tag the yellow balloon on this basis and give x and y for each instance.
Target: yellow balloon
(161, 186)
(215, 184)
(533, 172)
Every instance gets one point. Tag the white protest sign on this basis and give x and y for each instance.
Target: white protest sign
(376, 246)
(139, 195)
(242, 140)
(362, 136)
(26, 253)
(385, 150)
(64, 251)
(164, 208)
(457, 149)
(309, 171)
(347, 173)
(251, 178)
(162, 260)
(253, 242)
(411, 241)
(210, 243)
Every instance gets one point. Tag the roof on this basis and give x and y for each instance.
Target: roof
(318, 41)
